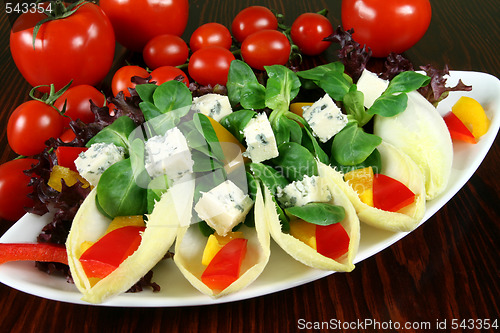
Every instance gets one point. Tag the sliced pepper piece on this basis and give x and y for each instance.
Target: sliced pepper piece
(361, 180)
(390, 194)
(32, 252)
(105, 255)
(457, 129)
(472, 115)
(304, 231)
(70, 178)
(230, 145)
(215, 243)
(225, 267)
(332, 240)
(66, 156)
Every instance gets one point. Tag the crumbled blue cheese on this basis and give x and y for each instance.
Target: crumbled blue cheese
(299, 193)
(94, 161)
(325, 118)
(214, 106)
(224, 207)
(371, 86)
(259, 136)
(168, 154)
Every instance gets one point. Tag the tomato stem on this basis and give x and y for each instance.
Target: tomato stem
(58, 10)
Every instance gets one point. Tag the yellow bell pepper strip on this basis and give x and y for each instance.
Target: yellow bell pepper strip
(105, 255)
(361, 180)
(69, 176)
(33, 252)
(298, 107)
(472, 115)
(304, 231)
(458, 131)
(225, 267)
(231, 147)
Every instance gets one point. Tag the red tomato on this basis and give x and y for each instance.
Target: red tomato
(66, 156)
(79, 47)
(308, 31)
(253, 19)
(14, 188)
(137, 21)
(210, 65)
(387, 26)
(77, 101)
(210, 34)
(457, 129)
(165, 50)
(265, 48)
(332, 240)
(122, 79)
(390, 194)
(105, 255)
(30, 125)
(225, 266)
(168, 73)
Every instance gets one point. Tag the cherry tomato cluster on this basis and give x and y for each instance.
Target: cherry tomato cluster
(255, 34)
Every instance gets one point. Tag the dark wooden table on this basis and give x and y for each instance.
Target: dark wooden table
(445, 270)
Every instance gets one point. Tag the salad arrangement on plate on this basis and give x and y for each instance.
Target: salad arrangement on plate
(209, 175)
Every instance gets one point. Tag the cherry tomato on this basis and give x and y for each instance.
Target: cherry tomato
(122, 79)
(137, 21)
(387, 26)
(265, 48)
(79, 47)
(77, 101)
(210, 34)
(165, 50)
(14, 188)
(253, 19)
(210, 65)
(308, 31)
(30, 125)
(168, 73)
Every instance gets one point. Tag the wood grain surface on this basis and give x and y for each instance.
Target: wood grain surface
(447, 269)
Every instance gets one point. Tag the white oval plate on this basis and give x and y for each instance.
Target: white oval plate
(282, 272)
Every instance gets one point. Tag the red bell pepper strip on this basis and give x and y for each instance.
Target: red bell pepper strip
(457, 129)
(105, 255)
(32, 252)
(225, 267)
(390, 194)
(66, 156)
(332, 240)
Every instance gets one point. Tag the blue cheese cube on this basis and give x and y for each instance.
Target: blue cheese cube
(325, 118)
(299, 193)
(94, 161)
(371, 86)
(259, 136)
(224, 207)
(214, 106)
(169, 155)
